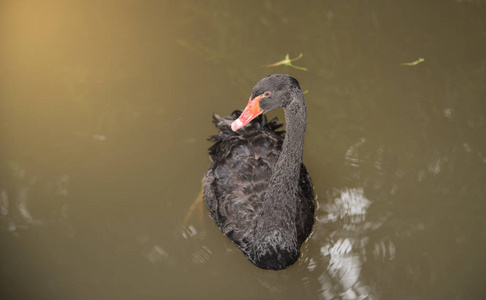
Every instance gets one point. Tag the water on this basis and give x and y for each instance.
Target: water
(105, 109)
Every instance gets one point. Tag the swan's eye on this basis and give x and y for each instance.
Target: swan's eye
(267, 94)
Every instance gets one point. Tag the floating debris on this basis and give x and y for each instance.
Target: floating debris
(413, 63)
(287, 61)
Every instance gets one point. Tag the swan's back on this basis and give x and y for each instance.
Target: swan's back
(242, 164)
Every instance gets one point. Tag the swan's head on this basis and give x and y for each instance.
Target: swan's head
(271, 92)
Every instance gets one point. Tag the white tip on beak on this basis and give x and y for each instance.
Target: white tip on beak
(237, 124)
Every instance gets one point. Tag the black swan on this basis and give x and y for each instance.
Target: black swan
(257, 189)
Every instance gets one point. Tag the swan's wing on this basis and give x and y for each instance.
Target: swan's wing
(305, 208)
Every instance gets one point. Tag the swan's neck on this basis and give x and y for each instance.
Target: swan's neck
(275, 233)
(280, 202)
(287, 170)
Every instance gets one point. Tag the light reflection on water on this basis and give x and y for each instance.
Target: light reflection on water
(21, 210)
(347, 245)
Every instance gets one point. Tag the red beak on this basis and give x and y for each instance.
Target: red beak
(252, 110)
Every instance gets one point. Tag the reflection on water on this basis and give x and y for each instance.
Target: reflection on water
(105, 109)
(157, 255)
(346, 250)
(21, 211)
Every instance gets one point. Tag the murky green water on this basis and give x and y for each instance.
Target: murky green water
(105, 107)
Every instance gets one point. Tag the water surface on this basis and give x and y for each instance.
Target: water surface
(105, 109)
